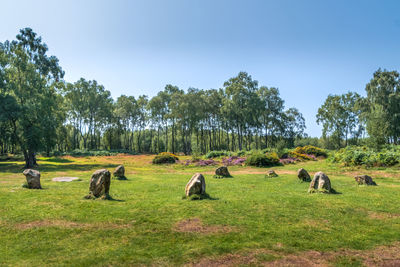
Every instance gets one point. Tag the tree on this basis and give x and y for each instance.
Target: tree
(29, 92)
(340, 117)
(271, 115)
(240, 103)
(294, 125)
(381, 107)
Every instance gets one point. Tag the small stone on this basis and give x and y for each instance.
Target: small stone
(32, 178)
(303, 175)
(196, 185)
(100, 184)
(272, 173)
(64, 179)
(119, 172)
(222, 172)
(364, 180)
(320, 183)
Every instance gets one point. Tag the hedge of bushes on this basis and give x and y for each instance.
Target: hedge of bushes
(263, 159)
(217, 154)
(356, 156)
(165, 157)
(86, 153)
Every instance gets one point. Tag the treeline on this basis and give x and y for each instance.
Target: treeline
(373, 120)
(40, 112)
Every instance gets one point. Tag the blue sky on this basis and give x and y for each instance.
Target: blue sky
(308, 49)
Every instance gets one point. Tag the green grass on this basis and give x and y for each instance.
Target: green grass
(137, 226)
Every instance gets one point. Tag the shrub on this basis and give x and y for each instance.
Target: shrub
(355, 156)
(216, 154)
(262, 160)
(165, 157)
(234, 160)
(206, 162)
(288, 160)
(311, 150)
(89, 153)
(300, 156)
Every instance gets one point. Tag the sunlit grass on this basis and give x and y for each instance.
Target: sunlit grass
(56, 226)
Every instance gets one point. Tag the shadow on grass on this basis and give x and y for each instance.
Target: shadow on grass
(200, 197)
(323, 191)
(110, 198)
(120, 178)
(18, 168)
(222, 177)
(11, 158)
(334, 192)
(104, 197)
(56, 160)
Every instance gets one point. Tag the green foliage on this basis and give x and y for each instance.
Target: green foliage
(305, 141)
(300, 156)
(355, 156)
(90, 153)
(165, 157)
(380, 108)
(28, 93)
(262, 160)
(339, 117)
(217, 154)
(311, 150)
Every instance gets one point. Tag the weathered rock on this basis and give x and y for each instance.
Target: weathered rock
(303, 175)
(100, 184)
(320, 183)
(364, 180)
(119, 172)
(32, 178)
(196, 185)
(272, 173)
(64, 179)
(222, 171)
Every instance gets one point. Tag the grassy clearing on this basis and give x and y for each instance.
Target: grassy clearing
(246, 213)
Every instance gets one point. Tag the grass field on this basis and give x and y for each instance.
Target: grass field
(248, 220)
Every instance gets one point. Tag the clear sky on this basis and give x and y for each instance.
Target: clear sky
(308, 49)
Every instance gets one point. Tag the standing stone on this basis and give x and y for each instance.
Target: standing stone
(119, 172)
(320, 183)
(100, 184)
(222, 171)
(364, 180)
(303, 175)
(196, 185)
(32, 178)
(272, 173)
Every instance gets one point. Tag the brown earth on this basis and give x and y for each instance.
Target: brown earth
(195, 225)
(379, 256)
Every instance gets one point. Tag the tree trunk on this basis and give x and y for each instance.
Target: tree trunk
(30, 159)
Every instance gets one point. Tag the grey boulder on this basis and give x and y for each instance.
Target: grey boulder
(196, 185)
(32, 178)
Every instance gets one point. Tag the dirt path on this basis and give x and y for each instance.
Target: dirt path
(379, 256)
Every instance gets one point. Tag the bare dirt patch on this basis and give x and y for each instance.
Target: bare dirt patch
(373, 174)
(309, 258)
(48, 223)
(231, 259)
(64, 179)
(379, 256)
(195, 225)
(382, 215)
